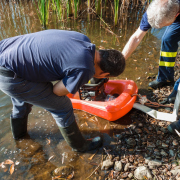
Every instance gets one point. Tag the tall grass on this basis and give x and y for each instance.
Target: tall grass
(75, 5)
(98, 6)
(65, 8)
(59, 6)
(68, 8)
(43, 11)
(116, 10)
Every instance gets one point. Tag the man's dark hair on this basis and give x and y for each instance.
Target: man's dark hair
(112, 61)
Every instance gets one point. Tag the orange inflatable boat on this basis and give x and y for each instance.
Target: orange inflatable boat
(121, 104)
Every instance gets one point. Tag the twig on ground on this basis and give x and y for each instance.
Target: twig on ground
(94, 171)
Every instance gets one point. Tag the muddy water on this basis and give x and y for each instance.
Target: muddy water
(44, 150)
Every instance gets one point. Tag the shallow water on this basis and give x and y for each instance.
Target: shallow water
(38, 156)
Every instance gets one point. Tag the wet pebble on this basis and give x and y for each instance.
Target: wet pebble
(156, 152)
(130, 175)
(174, 164)
(118, 166)
(176, 170)
(154, 163)
(131, 142)
(63, 171)
(142, 172)
(165, 145)
(107, 164)
(151, 145)
(163, 153)
(175, 142)
(158, 143)
(140, 124)
(138, 131)
(124, 175)
(126, 167)
(171, 152)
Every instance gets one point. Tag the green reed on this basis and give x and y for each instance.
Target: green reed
(68, 8)
(89, 4)
(116, 10)
(59, 6)
(98, 6)
(71, 7)
(43, 11)
(75, 4)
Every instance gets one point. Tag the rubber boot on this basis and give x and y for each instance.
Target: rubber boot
(18, 127)
(172, 96)
(156, 84)
(174, 125)
(74, 138)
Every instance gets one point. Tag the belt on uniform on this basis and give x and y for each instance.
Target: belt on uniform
(7, 73)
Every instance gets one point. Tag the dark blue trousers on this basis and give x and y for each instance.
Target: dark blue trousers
(169, 47)
(25, 93)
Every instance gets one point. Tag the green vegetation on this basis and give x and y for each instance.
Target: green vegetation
(116, 10)
(43, 11)
(65, 9)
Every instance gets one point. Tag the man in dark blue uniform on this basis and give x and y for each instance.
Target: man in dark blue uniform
(161, 13)
(30, 62)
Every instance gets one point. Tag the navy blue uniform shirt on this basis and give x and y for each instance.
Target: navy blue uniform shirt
(50, 55)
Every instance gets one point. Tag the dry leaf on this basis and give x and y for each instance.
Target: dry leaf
(92, 119)
(103, 41)
(111, 174)
(49, 141)
(95, 118)
(56, 177)
(81, 157)
(90, 158)
(8, 161)
(101, 47)
(105, 126)
(12, 168)
(5, 169)
(71, 175)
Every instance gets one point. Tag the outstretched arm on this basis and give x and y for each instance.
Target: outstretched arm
(59, 89)
(133, 42)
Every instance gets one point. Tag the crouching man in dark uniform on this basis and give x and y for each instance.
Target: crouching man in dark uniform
(30, 62)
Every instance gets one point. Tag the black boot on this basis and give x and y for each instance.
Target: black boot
(18, 127)
(156, 84)
(172, 96)
(173, 126)
(74, 138)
